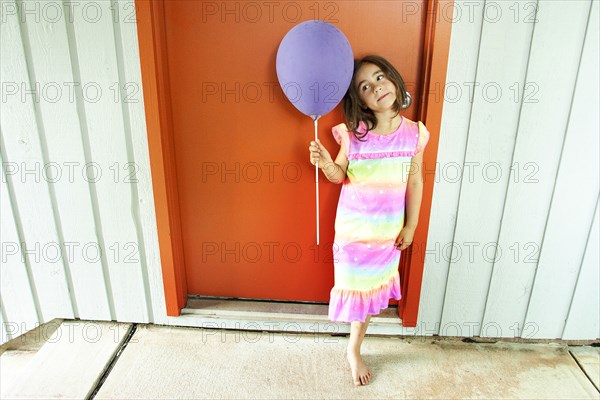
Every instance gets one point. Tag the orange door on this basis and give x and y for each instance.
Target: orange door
(245, 184)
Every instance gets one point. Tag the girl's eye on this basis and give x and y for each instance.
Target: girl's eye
(378, 76)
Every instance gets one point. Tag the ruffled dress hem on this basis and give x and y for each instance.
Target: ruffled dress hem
(354, 305)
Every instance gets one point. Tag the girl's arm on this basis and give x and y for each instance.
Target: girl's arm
(336, 170)
(414, 191)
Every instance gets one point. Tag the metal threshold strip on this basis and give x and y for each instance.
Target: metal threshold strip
(280, 316)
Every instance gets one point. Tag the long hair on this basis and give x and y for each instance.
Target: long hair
(355, 111)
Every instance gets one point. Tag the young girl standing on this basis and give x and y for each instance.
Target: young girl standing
(379, 165)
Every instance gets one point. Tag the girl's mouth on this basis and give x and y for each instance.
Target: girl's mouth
(382, 96)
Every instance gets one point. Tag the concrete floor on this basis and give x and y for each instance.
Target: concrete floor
(160, 362)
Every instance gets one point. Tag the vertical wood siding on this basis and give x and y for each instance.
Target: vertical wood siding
(517, 176)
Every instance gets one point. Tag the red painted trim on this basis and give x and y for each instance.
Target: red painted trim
(150, 27)
(435, 64)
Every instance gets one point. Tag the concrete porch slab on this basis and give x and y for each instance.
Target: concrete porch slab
(70, 363)
(589, 359)
(163, 362)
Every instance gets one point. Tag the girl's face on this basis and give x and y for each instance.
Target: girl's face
(375, 90)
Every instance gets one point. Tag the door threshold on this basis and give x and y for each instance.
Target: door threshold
(280, 316)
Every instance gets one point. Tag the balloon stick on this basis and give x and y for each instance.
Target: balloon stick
(317, 180)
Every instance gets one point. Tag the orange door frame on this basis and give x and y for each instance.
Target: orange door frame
(154, 68)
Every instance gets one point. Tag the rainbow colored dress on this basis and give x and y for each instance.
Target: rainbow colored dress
(369, 218)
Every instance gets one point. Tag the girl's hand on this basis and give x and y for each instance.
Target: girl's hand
(405, 238)
(318, 153)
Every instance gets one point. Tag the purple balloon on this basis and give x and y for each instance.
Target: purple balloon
(314, 67)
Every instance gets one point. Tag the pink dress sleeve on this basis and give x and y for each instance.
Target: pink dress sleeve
(341, 135)
(423, 138)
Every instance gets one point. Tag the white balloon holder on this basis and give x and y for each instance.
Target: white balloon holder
(316, 119)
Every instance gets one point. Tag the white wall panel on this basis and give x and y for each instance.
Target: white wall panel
(18, 301)
(573, 200)
(583, 321)
(32, 199)
(501, 65)
(107, 136)
(66, 164)
(462, 65)
(541, 131)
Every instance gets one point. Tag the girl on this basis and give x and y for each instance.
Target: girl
(378, 148)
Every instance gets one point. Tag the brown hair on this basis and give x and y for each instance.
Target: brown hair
(354, 113)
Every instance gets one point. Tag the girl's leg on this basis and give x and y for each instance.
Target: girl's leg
(360, 372)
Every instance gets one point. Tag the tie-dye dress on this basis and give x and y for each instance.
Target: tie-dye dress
(369, 218)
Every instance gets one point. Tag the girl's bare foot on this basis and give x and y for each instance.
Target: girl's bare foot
(360, 372)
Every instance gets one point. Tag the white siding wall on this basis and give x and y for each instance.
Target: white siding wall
(84, 138)
(513, 254)
(540, 134)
